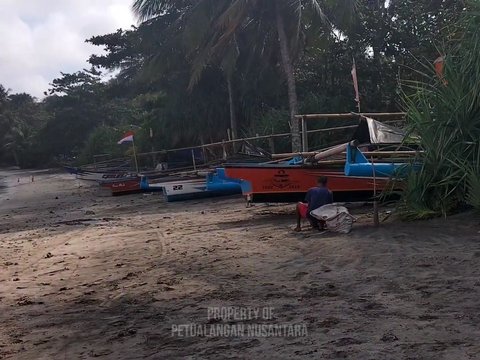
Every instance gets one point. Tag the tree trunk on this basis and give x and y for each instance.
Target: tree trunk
(288, 69)
(231, 102)
(15, 157)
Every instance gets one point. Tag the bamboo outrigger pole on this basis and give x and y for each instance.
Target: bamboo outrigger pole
(351, 115)
(330, 152)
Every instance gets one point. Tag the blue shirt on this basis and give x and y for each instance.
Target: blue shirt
(318, 196)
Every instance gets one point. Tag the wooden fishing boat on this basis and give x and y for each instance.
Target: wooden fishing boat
(214, 183)
(122, 186)
(104, 175)
(351, 177)
(147, 181)
(289, 183)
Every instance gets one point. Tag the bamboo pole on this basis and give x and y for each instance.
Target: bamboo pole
(366, 153)
(392, 153)
(290, 155)
(135, 155)
(304, 135)
(349, 115)
(221, 143)
(309, 116)
(335, 150)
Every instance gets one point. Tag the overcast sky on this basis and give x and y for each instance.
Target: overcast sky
(40, 38)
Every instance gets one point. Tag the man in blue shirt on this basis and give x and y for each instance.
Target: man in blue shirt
(316, 197)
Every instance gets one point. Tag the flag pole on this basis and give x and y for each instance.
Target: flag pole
(135, 153)
(355, 84)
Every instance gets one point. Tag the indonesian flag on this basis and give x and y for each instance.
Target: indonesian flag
(355, 82)
(127, 137)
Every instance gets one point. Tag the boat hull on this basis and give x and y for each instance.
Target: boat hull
(123, 187)
(104, 176)
(214, 184)
(190, 190)
(287, 183)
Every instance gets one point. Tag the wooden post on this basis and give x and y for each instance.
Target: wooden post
(304, 135)
(271, 144)
(204, 152)
(224, 150)
(376, 221)
(193, 160)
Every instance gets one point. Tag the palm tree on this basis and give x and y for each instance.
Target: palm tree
(287, 17)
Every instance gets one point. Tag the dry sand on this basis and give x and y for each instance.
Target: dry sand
(86, 276)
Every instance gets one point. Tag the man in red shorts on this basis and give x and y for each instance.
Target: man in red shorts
(316, 197)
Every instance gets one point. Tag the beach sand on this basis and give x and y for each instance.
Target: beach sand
(85, 275)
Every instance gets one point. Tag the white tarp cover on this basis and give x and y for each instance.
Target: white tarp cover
(336, 217)
(371, 131)
(384, 134)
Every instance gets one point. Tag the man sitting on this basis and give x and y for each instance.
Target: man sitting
(316, 197)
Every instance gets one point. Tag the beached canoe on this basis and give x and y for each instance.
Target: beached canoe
(101, 175)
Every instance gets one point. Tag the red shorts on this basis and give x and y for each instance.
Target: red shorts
(303, 209)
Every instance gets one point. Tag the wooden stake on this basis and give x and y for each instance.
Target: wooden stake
(271, 144)
(304, 135)
(193, 160)
(376, 221)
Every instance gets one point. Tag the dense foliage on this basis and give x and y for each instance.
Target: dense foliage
(195, 68)
(445, 111)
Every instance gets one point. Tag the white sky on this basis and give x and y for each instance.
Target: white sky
(40, 38)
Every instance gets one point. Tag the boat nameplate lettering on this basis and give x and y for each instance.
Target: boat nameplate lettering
(281, 180)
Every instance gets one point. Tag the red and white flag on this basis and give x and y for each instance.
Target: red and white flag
(127, 137)
(355, 82)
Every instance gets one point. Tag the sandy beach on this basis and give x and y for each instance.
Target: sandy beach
(86, 275)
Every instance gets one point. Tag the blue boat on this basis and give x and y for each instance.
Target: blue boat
(215, 183)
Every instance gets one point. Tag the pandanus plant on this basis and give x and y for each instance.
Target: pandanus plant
(445, 113)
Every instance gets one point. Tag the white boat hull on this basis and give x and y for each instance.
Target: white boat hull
(96, 176)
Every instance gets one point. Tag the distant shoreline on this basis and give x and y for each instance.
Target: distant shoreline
(11, 178)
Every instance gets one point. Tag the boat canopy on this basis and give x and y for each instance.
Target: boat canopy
(374, 132)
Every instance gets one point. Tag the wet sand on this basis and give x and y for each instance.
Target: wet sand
(85, 275)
